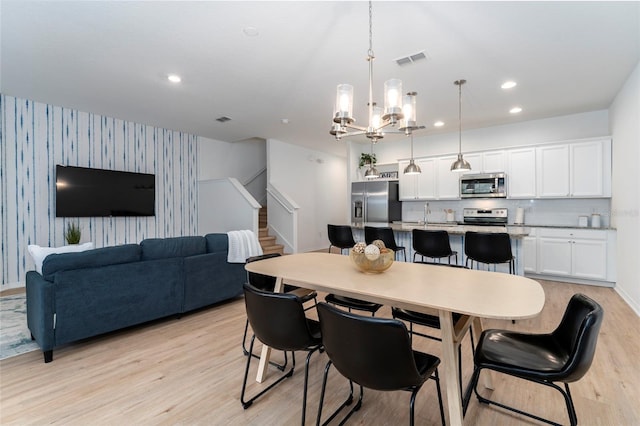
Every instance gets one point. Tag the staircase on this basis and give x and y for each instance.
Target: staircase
(267, 242)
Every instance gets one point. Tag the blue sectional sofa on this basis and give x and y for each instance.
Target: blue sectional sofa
(80, 295)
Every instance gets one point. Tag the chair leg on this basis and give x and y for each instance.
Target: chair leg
(436, 378)
(566, 394)
(280, 367)
(247, 404)
(306, 381)
(347, 402)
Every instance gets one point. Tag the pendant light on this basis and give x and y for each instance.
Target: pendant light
(412, 168)
(372, 172)
(460, 165)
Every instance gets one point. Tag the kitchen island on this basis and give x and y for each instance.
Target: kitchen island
(402, 232)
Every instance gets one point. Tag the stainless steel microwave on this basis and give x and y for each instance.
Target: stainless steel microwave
(484, 185)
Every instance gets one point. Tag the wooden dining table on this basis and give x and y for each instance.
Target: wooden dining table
(418, 287)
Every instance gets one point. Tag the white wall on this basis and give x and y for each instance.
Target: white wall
(36, 136)
(218, 159)
(625, 129)
(317, 181)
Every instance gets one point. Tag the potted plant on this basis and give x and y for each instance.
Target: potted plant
(72, 234)
(367, 159)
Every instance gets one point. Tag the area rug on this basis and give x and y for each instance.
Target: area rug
(15, 338)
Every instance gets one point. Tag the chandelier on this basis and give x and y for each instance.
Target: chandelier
(399, 110)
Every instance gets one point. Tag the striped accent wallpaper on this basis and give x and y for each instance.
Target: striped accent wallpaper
(34, 137)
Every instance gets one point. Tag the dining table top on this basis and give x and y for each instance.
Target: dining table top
(413, 286)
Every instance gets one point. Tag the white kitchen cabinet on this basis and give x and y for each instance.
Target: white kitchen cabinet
(578, 170)
(486, 162)
(590, 166)
(447, 182)
(530, 252)
(521, 174)
(552, 171)
(421, 186)
(573, 253)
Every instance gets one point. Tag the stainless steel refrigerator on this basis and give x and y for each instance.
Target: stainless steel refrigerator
(375, 201)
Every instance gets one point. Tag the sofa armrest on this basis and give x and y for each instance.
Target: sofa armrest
(40, 309)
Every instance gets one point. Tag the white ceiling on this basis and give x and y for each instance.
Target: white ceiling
(112, 58)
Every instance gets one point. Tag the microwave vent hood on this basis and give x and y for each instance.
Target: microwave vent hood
(483, 185)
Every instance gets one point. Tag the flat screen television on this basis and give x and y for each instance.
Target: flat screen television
(87, 192)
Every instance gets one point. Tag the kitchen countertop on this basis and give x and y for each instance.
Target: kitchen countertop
(603, 228)
(451, 228)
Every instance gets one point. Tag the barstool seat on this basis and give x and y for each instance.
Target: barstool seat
(432, 244)
(372, 233)
(490, 248)
(340, 236)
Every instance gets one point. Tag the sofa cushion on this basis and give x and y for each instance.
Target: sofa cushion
(217, 243)
(90, 259)
(40, 253)
(165, 248)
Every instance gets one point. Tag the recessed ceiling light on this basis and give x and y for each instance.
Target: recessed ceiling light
(174, 78)
(250, 31)
(284, 121)
(509, 84)
(439, 123)
(515, 110)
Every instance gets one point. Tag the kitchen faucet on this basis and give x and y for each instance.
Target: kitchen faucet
(426, 213)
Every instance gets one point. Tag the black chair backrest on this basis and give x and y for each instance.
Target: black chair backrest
(373, 352)
(259, 281)
(385, 234)
(488, 247)
(340, 236)
(578, 333)
(431, 243)
(277, 319)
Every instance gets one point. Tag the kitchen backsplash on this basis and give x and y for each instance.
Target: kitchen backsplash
(536, 212)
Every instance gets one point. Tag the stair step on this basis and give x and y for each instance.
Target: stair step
(263, 232)
(276, 248)
(267, 241)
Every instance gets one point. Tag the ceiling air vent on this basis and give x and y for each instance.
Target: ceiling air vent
(405, 60)
(223, 119)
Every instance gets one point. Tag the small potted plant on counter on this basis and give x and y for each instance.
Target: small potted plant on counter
(73, 233)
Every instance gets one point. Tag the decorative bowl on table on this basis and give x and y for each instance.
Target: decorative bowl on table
(372, 263)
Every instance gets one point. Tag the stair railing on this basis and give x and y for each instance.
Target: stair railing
(283, 218)
(225, 205)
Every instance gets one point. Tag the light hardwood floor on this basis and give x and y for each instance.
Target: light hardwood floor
(188, 371)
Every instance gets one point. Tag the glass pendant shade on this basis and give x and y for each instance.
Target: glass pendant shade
(412, 168)
(409, 120)
(393, 98)
(344, 102)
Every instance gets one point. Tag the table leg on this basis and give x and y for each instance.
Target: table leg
(485, 378)
(450, 364)
(266, 350)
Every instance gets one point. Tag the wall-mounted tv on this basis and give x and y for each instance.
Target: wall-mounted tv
(85, 192)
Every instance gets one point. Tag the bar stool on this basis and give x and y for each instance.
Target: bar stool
(490, 248)
(432, 244)
(340, 236)
(372, 233)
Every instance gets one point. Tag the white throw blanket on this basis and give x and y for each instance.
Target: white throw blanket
(242, 245)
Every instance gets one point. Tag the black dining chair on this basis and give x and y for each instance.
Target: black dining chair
(431, 321)
(372, 233)
(340, 236)
(374, 353)
(490, 248)
(432, 244)
(562, 356)
(268, 283)
(278, 321)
